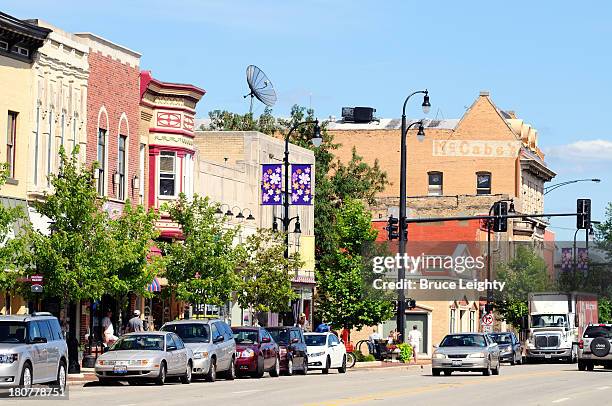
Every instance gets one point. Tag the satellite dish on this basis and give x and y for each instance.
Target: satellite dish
(261, 87)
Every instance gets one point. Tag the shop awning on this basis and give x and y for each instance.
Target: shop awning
(154, 286)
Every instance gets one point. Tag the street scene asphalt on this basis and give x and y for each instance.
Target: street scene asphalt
(545, 384)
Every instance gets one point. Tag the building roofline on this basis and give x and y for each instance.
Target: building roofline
(23, 27)
(93, 37)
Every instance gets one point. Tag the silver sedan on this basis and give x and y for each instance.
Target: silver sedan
(146, 356)
(466, 352)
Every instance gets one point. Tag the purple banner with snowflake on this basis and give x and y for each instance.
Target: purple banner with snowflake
(271, 184)
(301, 184)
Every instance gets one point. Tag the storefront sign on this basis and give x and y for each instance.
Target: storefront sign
(476, 148)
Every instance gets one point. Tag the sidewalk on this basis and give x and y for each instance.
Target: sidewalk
(384, 364)
(86, 375)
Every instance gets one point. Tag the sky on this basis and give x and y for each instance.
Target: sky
(548, 61)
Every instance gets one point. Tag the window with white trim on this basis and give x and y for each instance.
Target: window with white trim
(101, 161)
(453, 316)
(167, 173)
(11, 137)
(121, 166)
(50, 148)
(434, 183)
(472, 320)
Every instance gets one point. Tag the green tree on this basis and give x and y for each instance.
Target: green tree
(200, 267)
(264, 274)
(132, 235)
(13, 245)
(345, 299)
(525, 273)
(75, 257)
(227, 121)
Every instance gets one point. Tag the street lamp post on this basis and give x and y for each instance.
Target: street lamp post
(550, 188)
(403, 230)
(316, 141)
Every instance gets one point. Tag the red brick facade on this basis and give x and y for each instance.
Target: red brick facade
(113, 104)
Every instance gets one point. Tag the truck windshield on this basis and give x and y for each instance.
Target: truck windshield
(549, 320)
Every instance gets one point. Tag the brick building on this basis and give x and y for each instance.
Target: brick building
(461, 167)
(113, 101)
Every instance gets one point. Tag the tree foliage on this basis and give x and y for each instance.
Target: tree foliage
(200, 267)
(525, 273)
(264, 274)
(227, 121)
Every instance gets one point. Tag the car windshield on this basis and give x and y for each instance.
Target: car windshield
(549, 320)
(598, 331)
(190, 333)
(280, 336)
(12, 332)
(463, 340)
(139, 342)
(502, 338)
(315, 340)
(246, 336)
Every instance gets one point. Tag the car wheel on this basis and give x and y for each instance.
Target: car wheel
(230, 375)
(289, 366)
(327, 366)
(513, 359)
(496, 370)
(260, 368)
(581, 366)
(487, 370)
(276, 370)
(61, 376)
(161, 378)
(304, 370)
(435, 371)
(590, 366)
(342, 369)
(211, 376)
(26, 376)
(186, 379)
(447, 372)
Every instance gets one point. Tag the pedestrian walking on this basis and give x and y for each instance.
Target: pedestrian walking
(373, 341)
(414, 338)
(135, 324)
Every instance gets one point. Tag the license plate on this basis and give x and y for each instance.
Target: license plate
(457, 362)
(121, 369)
(547, 356)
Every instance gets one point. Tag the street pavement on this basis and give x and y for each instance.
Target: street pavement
(549, 384)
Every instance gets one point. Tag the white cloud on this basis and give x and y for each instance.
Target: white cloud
(600, 150)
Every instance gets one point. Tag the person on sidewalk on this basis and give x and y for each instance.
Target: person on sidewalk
(373, 342)
(414, 337)
(135, 323)
(109, 336)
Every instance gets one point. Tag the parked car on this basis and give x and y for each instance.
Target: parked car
(325, 351)
(154, 355)
(292, 348)
(510, 348)
(212, 343)
(594, 347)
(466, 352)
(32, 350)
(256, 352)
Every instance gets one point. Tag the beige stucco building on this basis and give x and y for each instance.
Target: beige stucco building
(228, 170)
(19, 45)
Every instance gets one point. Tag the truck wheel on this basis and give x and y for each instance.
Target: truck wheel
(435, 371)
(590, 366)
(581, 366)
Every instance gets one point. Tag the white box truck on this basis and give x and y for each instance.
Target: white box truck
(556, 322)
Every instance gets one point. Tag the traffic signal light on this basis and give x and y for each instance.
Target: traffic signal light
(583, 209)
(392, 228)
(500, 222)
(410, 304)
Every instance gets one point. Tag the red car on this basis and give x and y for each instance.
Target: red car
(256, 352)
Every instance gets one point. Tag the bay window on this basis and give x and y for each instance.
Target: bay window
(167, 173)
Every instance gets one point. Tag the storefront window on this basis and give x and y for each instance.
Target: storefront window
(167, 173)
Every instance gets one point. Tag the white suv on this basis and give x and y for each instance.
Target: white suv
(32, 350)
(594, 347)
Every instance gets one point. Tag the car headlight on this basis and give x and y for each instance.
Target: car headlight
(200, 355)
(248, 353)
(477, 355)
(104, 362)
(316, 354)
(8, 358)
(438, 355)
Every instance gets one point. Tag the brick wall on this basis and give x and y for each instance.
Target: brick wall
(114, 86)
